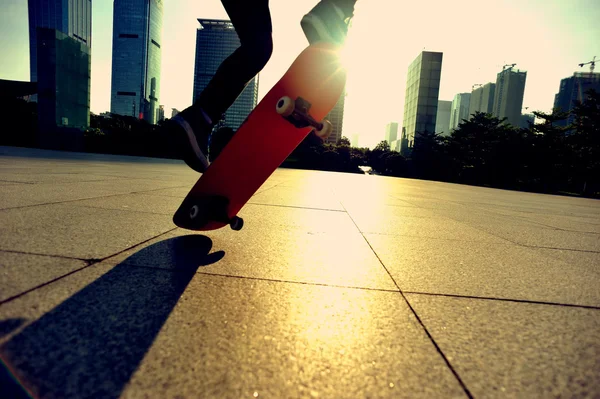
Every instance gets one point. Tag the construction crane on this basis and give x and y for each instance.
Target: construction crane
(592, 64)
(508, 65)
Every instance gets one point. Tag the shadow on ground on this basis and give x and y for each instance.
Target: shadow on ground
(91, 344)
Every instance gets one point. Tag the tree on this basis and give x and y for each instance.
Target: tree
(585, 142)
(343, 141)
(482, 151)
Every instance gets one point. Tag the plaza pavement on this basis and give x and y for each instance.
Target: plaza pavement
(338, 286)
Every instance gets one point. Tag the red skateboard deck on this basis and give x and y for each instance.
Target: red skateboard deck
(263, 141)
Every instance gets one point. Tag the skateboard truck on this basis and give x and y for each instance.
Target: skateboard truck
(211, 208)
(296, 112)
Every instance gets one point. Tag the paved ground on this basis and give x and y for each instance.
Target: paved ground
(339, 286)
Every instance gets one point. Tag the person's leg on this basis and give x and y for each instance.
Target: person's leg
(328, 21)
(252, 22)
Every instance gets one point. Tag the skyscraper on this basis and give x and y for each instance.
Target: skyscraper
(336, 117)
(482, 99)
(391, 132)
(136, 58)
(73, 18)
(160, 116)
(421, 98)
(215, 41)
(60, 39)
(573, 89)
(442, 119)
(460, 109)
(508, 97)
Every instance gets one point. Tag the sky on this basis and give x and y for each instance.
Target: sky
(546, 38)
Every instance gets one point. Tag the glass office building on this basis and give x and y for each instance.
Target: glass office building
(442, 119)
(71, 17)
(573, 89)
(508, 96)
(421, 98)
(136, 58)
(63, 89)
(460, 109)
(215, 41)
(336, 117)
(482, 99)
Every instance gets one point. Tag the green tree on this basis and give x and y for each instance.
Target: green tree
(585, 142)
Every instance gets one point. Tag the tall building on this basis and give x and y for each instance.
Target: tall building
(160, 113)
(482, 99)
(60, 39)
(336, 117)
(442, 119)
(215, 41)
(174, 111)
(72, 18)
(421, 98)
(526, 119)
(136, 58)
(460, 109)
(354, 141)
(508, 96)
(573, 89)
(391, 132)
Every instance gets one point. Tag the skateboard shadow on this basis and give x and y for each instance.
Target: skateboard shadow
(92, 343)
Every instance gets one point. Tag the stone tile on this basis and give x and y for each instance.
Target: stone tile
(534, 236)
(36, 194)
(78, 232)
(289, 244)
(54, 178)
(238, 338)
(569, 223)
(488, 270)
(395, 221)
(507, 349)
(109, 331)
(135, 202)
(317, 197)
(22, 272)
(177, 192)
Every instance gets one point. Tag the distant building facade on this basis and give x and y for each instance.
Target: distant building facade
(421, 97)
(442, 119)
(527, 119)
(215, 41)
(336, 117)
(508, 96)
(160, 113)
(573, 89)
(74, 19)
(482, 99)
(460, 109)
(136, 58)
(391, 132)
(60, 39)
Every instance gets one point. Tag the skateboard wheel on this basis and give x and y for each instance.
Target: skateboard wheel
(325, 130)
(285, 106)
(236, 223)
(194, 211)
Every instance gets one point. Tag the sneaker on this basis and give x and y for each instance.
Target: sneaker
(218, 140)
(192, 146)
(325, 22)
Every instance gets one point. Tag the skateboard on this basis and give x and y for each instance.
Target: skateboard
(293, 107)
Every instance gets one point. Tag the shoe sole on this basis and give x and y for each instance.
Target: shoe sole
(194, 157)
